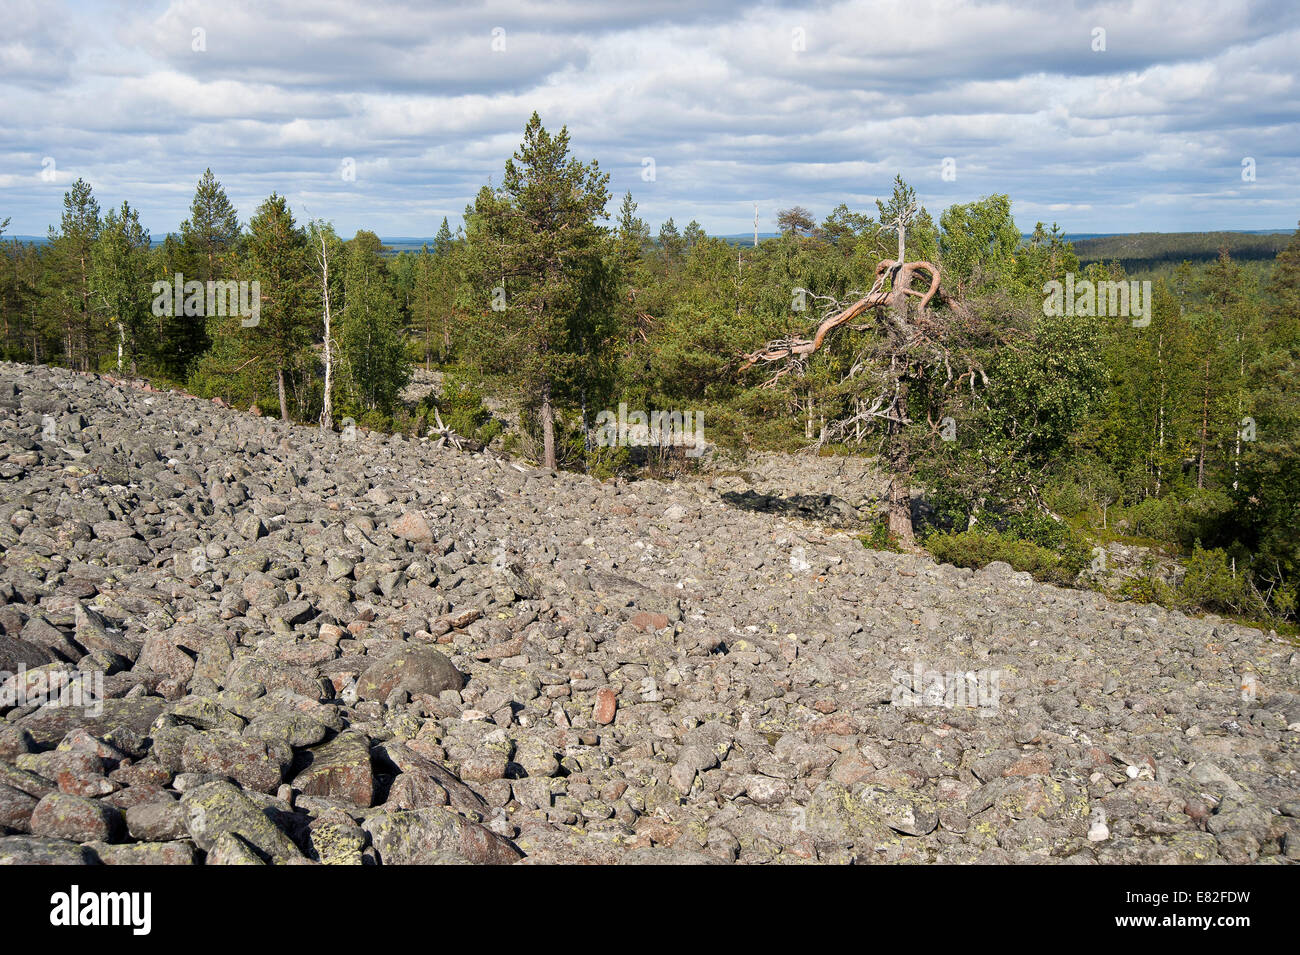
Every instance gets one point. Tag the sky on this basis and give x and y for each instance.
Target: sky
(1109, 117)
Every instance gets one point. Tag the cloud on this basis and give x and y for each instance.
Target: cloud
(778, 103)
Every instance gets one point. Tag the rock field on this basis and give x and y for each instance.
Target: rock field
(228, 640)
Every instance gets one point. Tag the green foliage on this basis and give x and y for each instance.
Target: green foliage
(879, 538)
(1210, 581)
(434, 318)
(1147, 587)
(978, 245)
(277, 258)
(372, 354)
(65, 288)
(978, 548)
(1066, 497)
(922, 235)
(207, 251)
(1181, 430)
(541, 277)
(463, 411)
(603, 463)
(119, 283)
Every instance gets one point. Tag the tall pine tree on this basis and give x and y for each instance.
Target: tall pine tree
(278, 259)
(538, 261)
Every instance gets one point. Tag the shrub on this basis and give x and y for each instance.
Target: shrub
(1147, 587)
(1066, 498)
(1210, 582)
(606, 462)
(977, 548)
(1153, 517)
(462, 410)
(879, 538)
(375, 420)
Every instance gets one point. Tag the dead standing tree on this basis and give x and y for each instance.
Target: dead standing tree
(905, 326)
(323, 260)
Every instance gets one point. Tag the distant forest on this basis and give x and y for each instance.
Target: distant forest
(1158, 252)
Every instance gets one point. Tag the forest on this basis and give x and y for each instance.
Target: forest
(1008, 433)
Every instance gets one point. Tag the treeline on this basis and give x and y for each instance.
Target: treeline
(97, 296)
(1146, 252)
(1025, 436)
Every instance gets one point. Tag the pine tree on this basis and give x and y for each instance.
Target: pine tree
(211, 232)
(371, 348)
(66, 284)
(177, 343)
(277, 258)
(443, 240)
(921, 238)
(671, 241)
(537, 253)
(632, 235)
(209, 243)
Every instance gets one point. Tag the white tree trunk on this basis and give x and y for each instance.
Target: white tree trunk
(327, 410)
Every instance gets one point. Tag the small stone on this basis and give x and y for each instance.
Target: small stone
(159, 821)
(16, 809)
(334, 838)
(1035, 764)
(338, 568)
(1098, 831)
(483, 766)
(230, 848)
(649, 622)
(1027, 733)
(766, 791)
(605, 708)
(413, 527)
(904, 811)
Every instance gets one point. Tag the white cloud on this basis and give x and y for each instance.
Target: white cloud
(1141, 136)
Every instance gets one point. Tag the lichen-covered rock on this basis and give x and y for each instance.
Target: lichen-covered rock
(75, 818)
(334, 838)
(360, 649)
(160, 820)
(249, 762)
(425, 836)
(219, 807)
(37, 850)
(230, 848)
(143, 853)
(16, 809)
(101, 718)
(339, 769)
(412, 669)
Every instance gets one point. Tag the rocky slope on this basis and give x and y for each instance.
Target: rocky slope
(375, 651)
